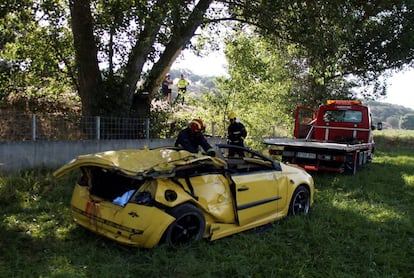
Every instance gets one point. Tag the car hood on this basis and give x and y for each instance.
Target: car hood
(135, 162)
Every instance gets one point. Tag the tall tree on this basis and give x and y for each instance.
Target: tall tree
(124, 47)
(156, 32)
(258, 83)
(337, 38)
(90, 86)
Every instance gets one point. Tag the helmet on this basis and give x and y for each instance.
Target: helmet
(197, 125)
(232, 115)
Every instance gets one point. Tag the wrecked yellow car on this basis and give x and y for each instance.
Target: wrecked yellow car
(146, 197)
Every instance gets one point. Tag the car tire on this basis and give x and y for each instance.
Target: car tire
(300, 202)
(188, 226)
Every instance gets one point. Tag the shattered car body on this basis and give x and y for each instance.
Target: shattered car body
(168, 195)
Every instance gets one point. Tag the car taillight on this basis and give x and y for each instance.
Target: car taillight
(339, 158)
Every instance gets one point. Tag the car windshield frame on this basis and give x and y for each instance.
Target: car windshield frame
(223, 151)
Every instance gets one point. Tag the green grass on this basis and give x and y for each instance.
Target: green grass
(360, 226)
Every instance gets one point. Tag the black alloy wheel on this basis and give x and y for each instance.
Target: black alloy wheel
(300, 202)
(188, 226)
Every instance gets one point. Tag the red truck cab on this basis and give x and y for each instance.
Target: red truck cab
(336, 138)
(339, 121)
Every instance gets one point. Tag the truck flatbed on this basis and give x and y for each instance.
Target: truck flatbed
(312, 144)
(337, 137)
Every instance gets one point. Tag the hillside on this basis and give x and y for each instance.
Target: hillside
(388, 114)
(198, 83)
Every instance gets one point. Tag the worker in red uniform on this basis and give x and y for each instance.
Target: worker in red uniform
(192, 138)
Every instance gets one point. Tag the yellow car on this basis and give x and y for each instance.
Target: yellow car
(146, 197)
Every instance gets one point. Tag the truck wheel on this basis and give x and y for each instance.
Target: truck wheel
(188, 226)
(351, 164)
(300, 202)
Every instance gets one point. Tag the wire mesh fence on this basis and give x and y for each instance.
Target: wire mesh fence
(22, 126)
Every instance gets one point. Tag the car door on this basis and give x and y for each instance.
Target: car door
(257, 191)
(303, 119)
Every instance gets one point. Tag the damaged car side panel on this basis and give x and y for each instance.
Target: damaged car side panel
(146, 197)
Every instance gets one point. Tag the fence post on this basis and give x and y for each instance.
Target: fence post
(213, 125)
(98, 127)
(147, 128)
(33, 127)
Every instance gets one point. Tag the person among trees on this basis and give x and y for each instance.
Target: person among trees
(236, 133)
(192, 138)
(166, 87)
(182, 88)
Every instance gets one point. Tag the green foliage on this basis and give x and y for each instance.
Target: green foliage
(360, 226)
(338, 38)
(390, 141)
(130, 36)
(39, 50)
(257, 87)
(279, 73)
(165, 122)
(303, 53)
(407, 121)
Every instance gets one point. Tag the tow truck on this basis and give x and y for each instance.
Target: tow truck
(337, 137)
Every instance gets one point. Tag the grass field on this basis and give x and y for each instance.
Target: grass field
(360, 226)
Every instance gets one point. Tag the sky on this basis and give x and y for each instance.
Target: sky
(400, 85)
(400, 90)
(211, 65)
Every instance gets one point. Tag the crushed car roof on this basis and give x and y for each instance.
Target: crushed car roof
(138, 161)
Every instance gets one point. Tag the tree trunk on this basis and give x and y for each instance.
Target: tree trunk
(97, 101)
(181, 36)
(90, 80)
(142, 49)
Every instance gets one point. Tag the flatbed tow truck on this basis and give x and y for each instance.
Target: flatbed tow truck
(335, 138)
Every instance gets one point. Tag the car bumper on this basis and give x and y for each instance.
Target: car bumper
(135, 225)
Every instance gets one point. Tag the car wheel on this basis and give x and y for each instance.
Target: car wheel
(188, 226)
(300, 202)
